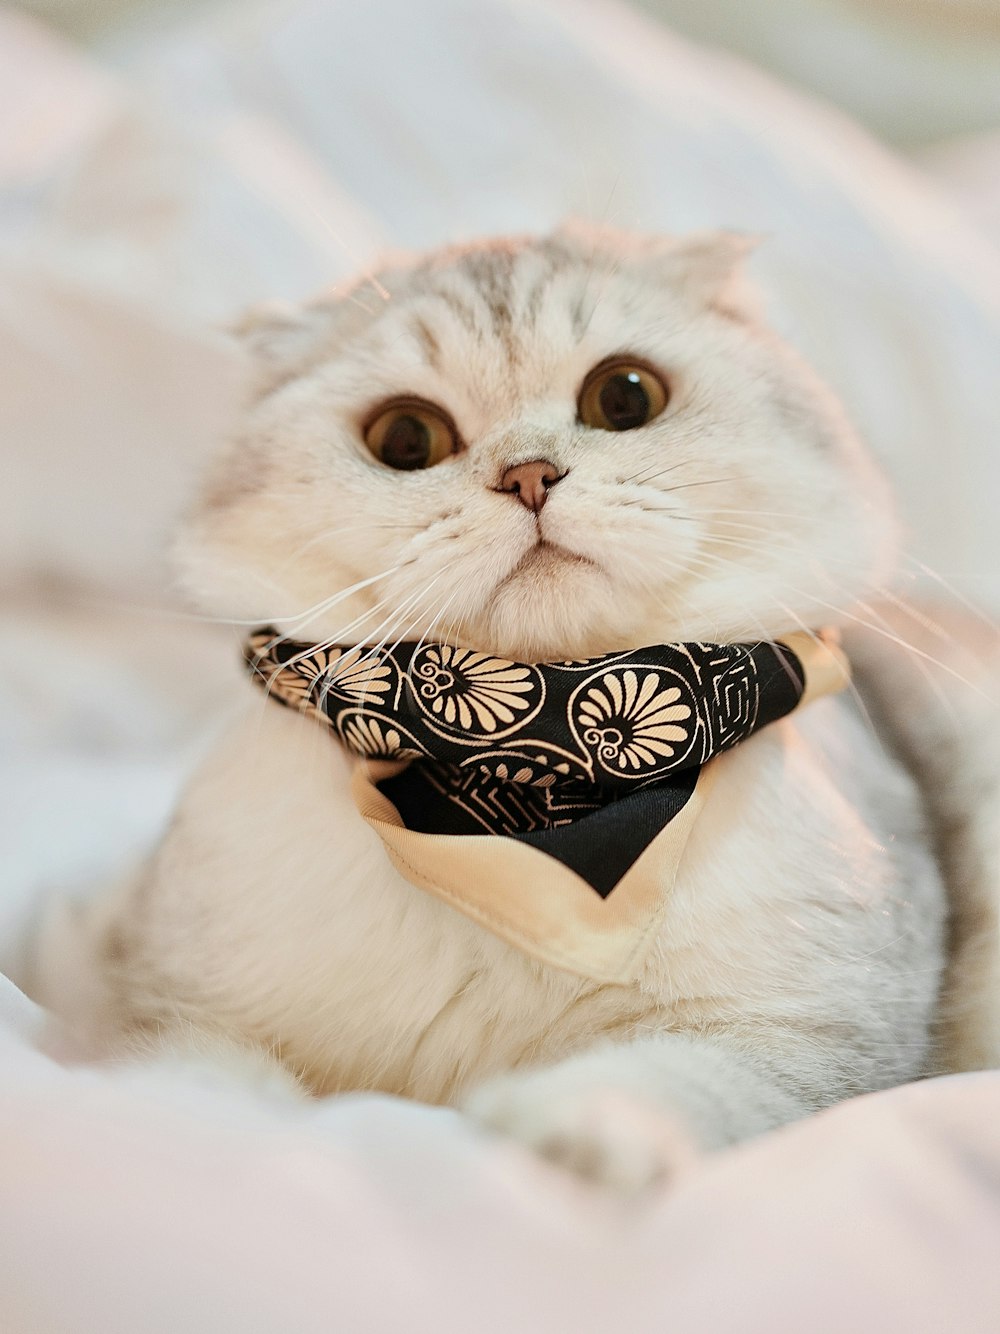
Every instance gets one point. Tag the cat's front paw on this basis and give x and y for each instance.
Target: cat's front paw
(599, 1132)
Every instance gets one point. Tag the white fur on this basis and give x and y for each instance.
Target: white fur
(800, 957)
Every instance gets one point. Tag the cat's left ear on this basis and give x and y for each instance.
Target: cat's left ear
(709, 268)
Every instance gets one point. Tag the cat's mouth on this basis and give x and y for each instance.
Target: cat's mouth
(545, 558)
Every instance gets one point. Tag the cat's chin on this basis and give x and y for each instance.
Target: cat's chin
(554, 604)
(546, 561)
(556, 608)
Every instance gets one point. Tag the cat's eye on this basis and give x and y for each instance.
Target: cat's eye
(621, 394)
(407, 434)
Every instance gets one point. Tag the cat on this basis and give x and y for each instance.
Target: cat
(715, 491)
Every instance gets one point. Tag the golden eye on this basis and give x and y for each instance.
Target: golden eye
(407, 434)
(620, 395)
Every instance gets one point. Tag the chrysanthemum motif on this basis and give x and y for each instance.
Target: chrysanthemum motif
(285, 670)
(355, 675)
(375, 738)
(472, 694)
(532, 762)
(294, 684)
(633, 722)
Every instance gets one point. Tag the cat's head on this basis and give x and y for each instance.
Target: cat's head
(541, 448)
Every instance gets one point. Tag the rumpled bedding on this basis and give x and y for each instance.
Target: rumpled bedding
(149, 191)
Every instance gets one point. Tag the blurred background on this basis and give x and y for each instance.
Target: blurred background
(915, 71)
(164, 165)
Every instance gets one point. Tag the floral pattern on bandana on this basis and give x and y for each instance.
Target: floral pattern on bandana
(355, 675)
(473, 695)
(578, 733)
(310, 675)
(375, 739)
(632, 723)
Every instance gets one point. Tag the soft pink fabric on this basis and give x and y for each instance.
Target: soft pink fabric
(133, 1202)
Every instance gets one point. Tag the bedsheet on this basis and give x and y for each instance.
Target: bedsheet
(132, 1202)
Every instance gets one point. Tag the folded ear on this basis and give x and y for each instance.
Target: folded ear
(283, 340)
(708, 267)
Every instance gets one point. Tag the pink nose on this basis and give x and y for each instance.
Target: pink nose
(531, 482)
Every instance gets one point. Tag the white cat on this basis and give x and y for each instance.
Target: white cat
(800, 958)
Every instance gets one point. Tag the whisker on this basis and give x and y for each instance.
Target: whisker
(437, 617)
(896, 639)
(319, 647)
(917, 614)
(612, 269)
(642, 478)
(268, 684)
(953, 592)
(743, 543)
(852, 687)
(935, 686)
(684, 486)
(370, 653)
(766, 514)
(765, 530)
(321, 608)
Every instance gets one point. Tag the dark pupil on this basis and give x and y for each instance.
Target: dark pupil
(406, 444)
(624, 402)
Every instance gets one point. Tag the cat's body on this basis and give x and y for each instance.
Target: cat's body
(800, 957)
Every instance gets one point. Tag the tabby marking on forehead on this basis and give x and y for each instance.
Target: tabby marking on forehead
(429, 342)
(463, 309)
(492, 275)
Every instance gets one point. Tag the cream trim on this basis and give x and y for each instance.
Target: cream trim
(823, 661)
(530, 899)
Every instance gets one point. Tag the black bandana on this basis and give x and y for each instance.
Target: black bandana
(586, 761)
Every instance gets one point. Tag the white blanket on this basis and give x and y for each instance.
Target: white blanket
(264, 153)
(133, 1205)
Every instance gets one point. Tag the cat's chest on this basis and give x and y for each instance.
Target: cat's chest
(801, 799)
(791, 804)
(276, 856)
(811, 853)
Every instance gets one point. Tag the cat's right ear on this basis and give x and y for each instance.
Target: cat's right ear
(709, 268)
(283, 340)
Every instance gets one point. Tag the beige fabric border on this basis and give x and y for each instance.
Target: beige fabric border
(823, 661)
(531, 899)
